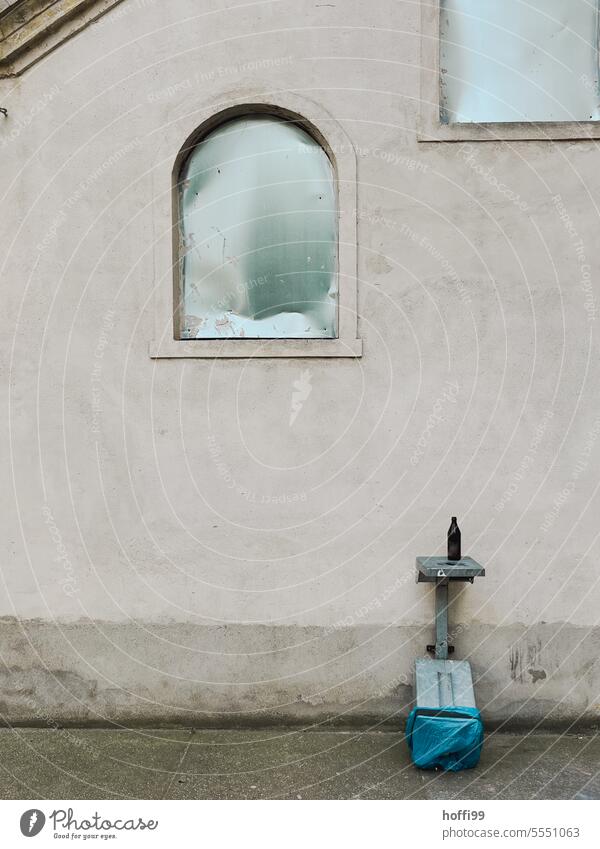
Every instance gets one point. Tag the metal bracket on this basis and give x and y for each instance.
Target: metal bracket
(443, 572)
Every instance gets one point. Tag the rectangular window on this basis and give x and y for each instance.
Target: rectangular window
(519, 61)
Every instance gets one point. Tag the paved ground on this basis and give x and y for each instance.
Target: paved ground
(287, 763)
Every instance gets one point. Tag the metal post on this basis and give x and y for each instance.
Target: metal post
(441, 639)
(441, 619)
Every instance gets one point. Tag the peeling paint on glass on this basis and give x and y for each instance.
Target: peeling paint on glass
(258, 234)
(519, 60)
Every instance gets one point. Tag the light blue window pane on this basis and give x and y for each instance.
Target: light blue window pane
(258, 234)
(519, 60)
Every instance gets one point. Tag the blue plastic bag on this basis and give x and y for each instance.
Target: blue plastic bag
(450, 738)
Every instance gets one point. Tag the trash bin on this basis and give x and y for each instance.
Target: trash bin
(445, 730)
(449, 739)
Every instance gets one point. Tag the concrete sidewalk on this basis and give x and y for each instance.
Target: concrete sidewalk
(284, 763)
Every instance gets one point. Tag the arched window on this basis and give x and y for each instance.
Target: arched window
(258, 234)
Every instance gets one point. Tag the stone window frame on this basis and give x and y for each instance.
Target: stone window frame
(166, 285)
(432, 129)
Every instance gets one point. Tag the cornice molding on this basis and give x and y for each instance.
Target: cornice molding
(30, 29)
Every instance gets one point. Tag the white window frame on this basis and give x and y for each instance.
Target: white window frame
(166, 285)
(432, 129)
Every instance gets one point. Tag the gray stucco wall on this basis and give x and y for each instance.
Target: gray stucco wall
(172, 547)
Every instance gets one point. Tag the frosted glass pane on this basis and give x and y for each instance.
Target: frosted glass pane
(258, 234)
(519, 60)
